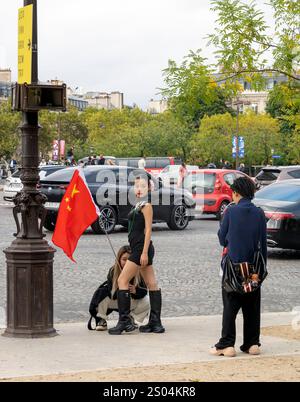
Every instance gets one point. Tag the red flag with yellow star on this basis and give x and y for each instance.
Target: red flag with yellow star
(76, 213)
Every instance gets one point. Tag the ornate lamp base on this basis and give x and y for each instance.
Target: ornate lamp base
(30, 289)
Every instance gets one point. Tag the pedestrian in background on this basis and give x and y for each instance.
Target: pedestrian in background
(242, 234)
(94, 160)
(183, 172)
(242, 168)
(3, 168)
(101, 160)
(142, 163)
(12, 166)
(227, 165)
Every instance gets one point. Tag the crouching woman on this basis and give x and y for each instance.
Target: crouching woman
(139, 303)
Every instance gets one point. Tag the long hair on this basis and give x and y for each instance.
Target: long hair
(117, 269)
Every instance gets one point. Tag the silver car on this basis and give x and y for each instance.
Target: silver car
(13, 184)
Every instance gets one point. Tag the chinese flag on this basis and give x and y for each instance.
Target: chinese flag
(76, 213)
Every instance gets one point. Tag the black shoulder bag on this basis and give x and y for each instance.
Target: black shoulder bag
(244, 277)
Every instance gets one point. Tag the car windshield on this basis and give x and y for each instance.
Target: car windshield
(201, 180)
(63, 175)
(295, 174)
(268, 175)
(280, 192)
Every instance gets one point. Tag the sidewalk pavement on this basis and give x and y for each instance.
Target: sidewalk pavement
(76, 349)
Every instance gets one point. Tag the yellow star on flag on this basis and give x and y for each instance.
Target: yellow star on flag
(75, 191)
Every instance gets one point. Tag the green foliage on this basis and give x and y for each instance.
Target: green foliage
(284, 104)
(68, 126)
(213, 142)
(245, 45)
(132, 132)
(9, 137)
(294, 145)
(191, 91)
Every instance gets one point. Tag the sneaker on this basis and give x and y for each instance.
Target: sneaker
(133, 321)
(227, 352)
(254, 350)
(101, 325)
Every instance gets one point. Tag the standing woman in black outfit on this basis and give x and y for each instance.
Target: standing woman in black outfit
(141, 258)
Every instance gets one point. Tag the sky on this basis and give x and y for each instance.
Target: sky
(112, 45)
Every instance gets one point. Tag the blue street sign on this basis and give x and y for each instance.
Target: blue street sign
(276, 156)
(241, 147)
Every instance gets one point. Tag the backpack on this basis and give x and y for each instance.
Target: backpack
(100, 294)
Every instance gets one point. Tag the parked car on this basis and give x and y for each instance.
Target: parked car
(112, 188)
(13, 184)
(170, 174)
(154, 165)
(272, 174)
(281, 204)
(211, 189)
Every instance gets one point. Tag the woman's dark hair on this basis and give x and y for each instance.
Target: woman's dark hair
(244, 186)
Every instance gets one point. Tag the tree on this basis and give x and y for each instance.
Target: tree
(213, 142)
(165, 135)
(246, 48)
(294, 145)
(191, 91)
(132, 132)
(284, 103)
(69, 126)
(9, 138)
(262, 135)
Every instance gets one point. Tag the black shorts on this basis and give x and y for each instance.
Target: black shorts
(137, 251)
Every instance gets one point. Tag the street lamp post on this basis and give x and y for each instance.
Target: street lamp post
(237, 135)
(30, 258)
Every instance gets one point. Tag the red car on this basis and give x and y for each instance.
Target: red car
(211, 189)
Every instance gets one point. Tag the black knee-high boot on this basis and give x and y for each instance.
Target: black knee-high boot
(154, 324)
(124, 323)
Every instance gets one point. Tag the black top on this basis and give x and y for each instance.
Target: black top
(136, 225)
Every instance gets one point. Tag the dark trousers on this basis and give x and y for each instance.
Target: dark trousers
(250, 304)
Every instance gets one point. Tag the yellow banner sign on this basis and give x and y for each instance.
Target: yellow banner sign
(25, 44)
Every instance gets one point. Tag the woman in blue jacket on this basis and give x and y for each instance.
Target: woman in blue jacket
(242, 233)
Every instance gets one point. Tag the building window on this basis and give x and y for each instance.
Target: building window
(254, 107)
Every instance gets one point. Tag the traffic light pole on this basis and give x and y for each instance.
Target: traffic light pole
(30, 258)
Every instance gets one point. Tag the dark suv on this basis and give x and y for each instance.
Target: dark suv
(271, 174)
(112, 190)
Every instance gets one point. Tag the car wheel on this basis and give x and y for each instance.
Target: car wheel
(50, 223)
(179, 218)
(107, 221)
(222, 209)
